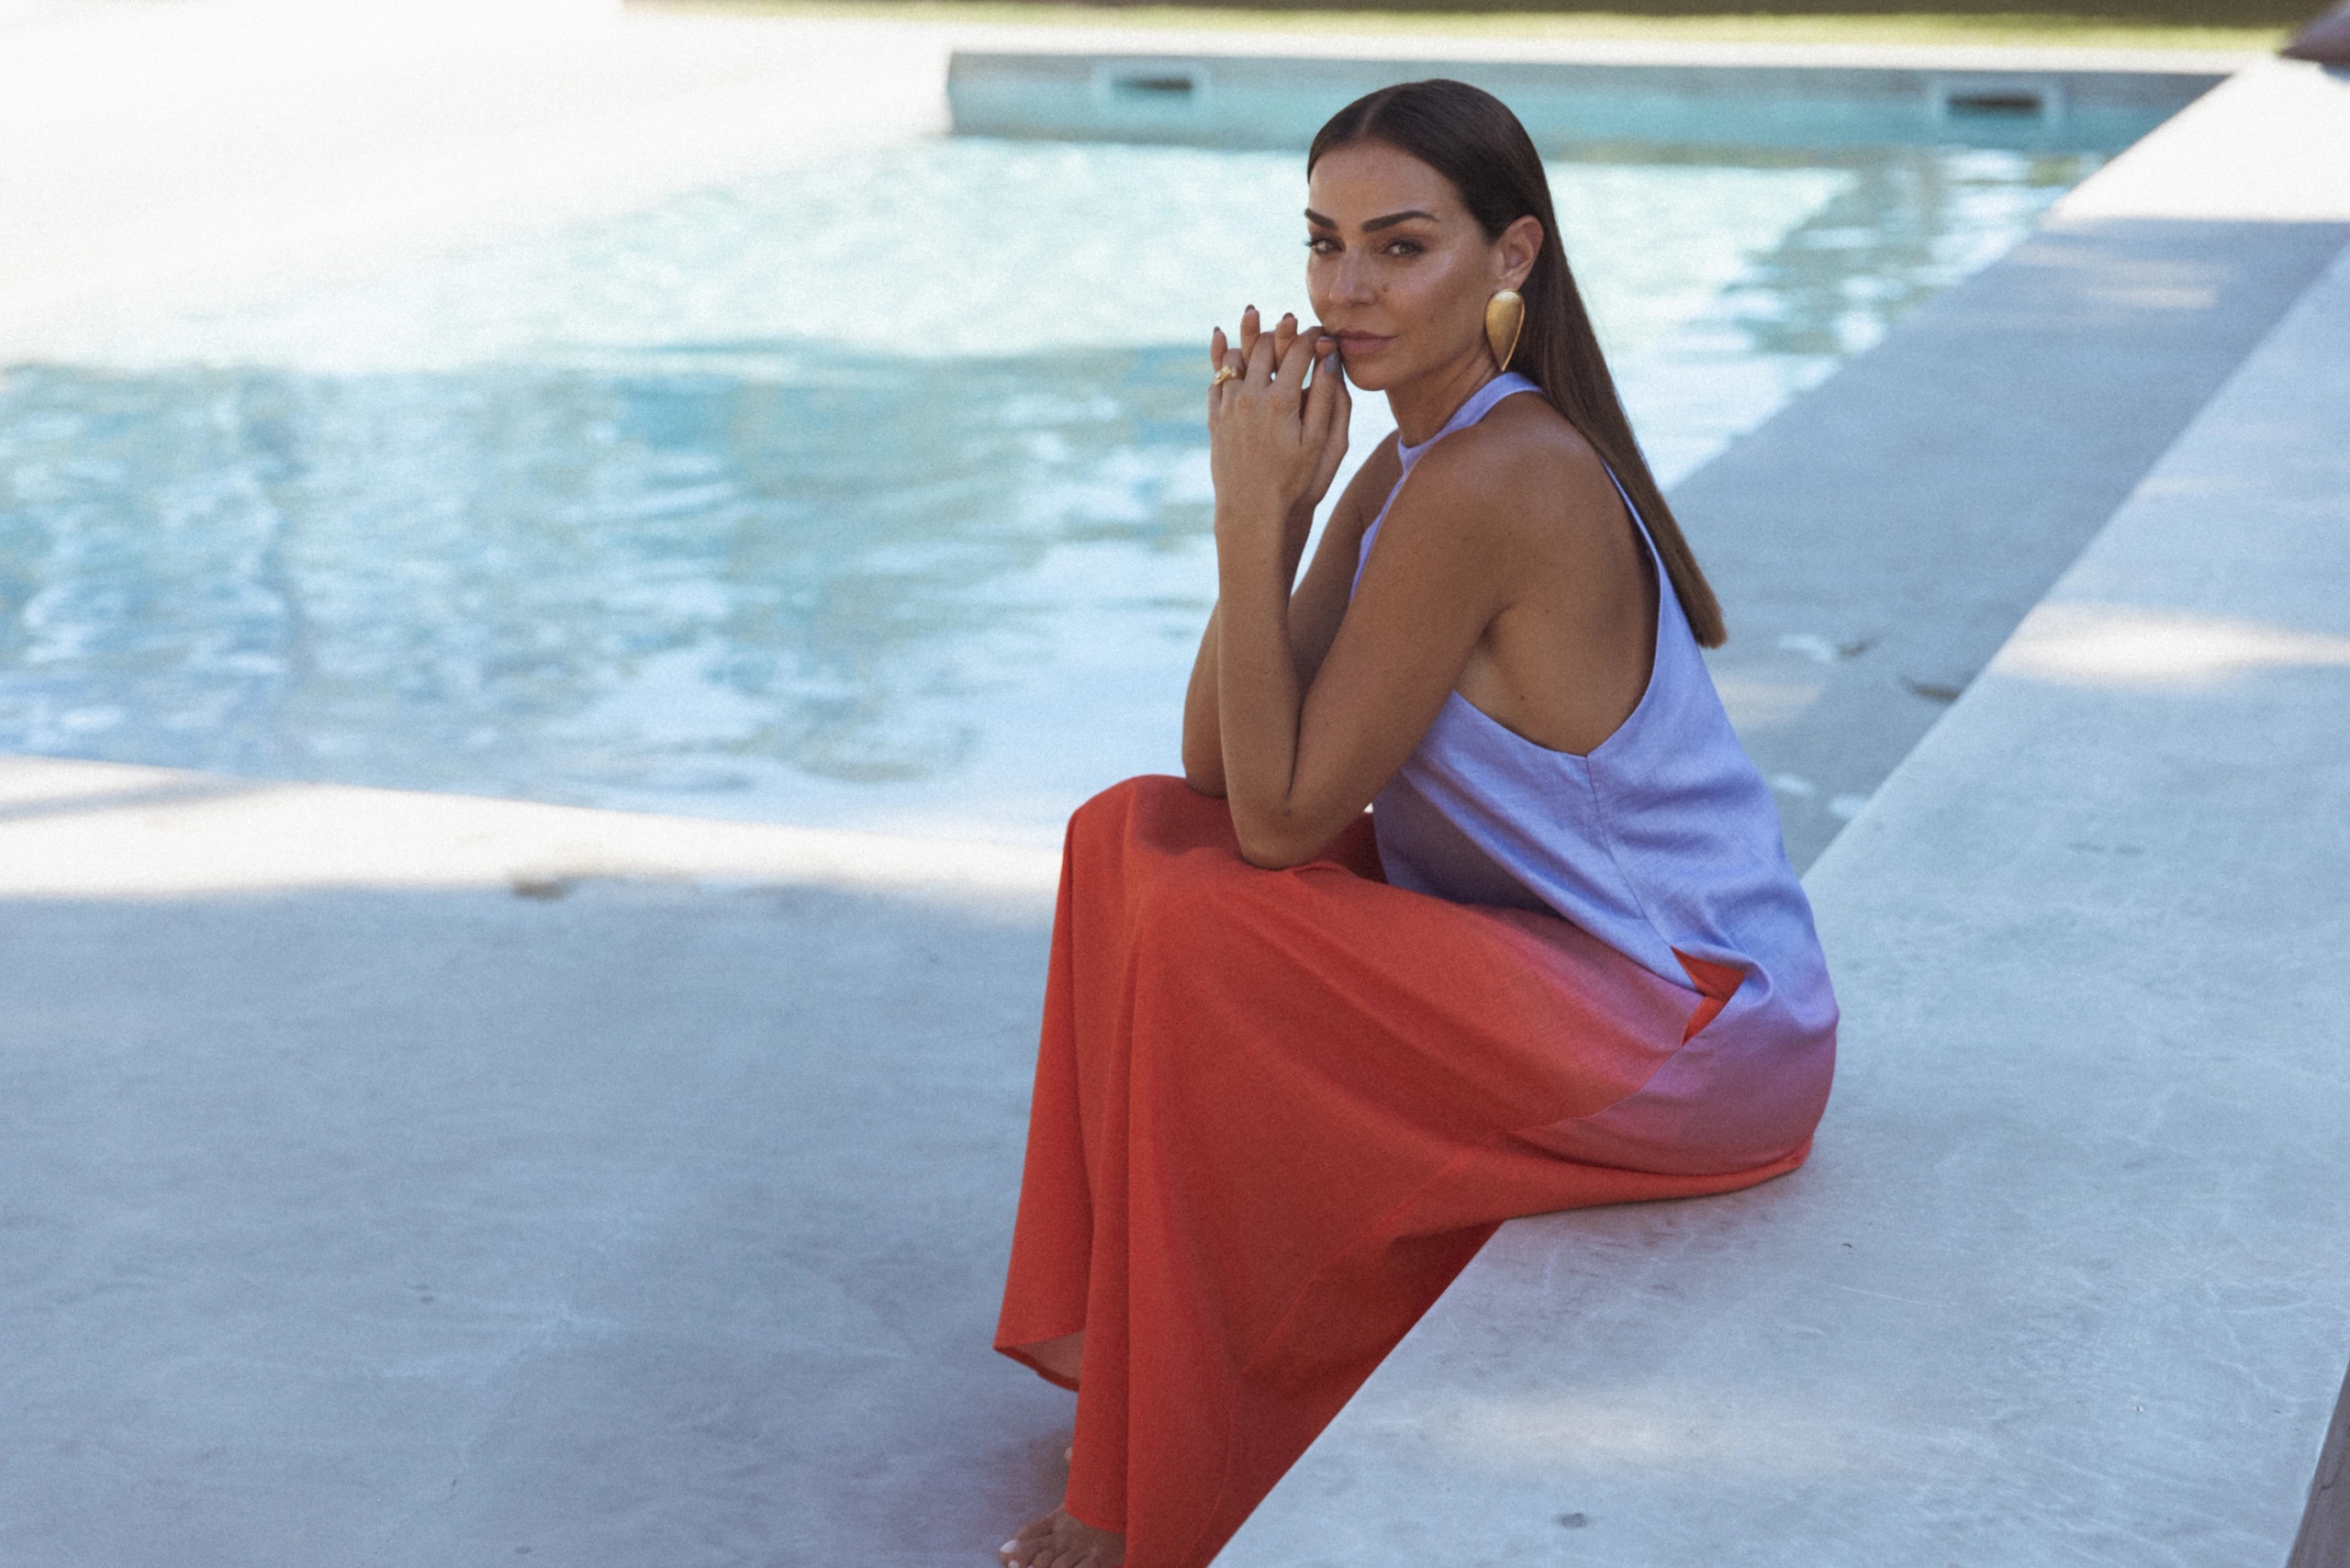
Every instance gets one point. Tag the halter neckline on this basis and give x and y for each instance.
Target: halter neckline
(1474, 408)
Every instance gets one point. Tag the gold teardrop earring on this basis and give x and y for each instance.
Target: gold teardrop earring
(1504, 318)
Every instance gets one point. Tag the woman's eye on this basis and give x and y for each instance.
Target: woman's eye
(1405, 247)
(1322, 245)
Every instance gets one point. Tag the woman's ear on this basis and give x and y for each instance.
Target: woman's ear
(1514, 253)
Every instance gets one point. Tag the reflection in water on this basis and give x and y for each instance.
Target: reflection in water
(756, 573)
(566, 583)
(1910, 223)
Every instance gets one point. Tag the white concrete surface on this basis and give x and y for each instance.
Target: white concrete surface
(96, 830)
(204, 153)
(2271, 145)
(2068, 1278)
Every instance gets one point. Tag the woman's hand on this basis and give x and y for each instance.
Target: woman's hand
(1275, 443)
(1263, 568)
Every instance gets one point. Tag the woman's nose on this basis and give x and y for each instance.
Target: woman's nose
(1353, 284)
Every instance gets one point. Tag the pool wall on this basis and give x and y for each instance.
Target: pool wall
(1280, 101)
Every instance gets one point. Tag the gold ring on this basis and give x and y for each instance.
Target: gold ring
(1224, 372)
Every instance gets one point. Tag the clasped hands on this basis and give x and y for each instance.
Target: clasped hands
(1275, 440)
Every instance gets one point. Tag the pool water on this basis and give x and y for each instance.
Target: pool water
(872, 495)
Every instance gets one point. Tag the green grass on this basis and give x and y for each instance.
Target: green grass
(2257, 26)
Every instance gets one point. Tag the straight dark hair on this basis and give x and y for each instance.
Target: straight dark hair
(1472, 138)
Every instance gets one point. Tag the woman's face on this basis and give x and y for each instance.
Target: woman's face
(1400, 271)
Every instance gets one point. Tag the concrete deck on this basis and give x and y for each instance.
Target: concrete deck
(402, 1179)
(393, 1179)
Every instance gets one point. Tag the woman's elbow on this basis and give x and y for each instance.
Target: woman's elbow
(1273, 846)
(1204, 771)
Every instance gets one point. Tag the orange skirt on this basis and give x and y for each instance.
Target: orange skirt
(1275, 1113)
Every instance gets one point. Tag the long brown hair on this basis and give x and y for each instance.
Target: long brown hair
(1472, 138)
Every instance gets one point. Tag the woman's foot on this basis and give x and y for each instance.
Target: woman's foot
(1057, 1541)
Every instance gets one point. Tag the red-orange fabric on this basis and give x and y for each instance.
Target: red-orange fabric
(1275, 1113)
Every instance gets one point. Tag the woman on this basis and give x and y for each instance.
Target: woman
(1297, 1063)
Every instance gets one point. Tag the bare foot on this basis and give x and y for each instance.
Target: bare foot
(1058, 1541)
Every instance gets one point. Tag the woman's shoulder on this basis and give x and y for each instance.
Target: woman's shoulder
(1522, 461)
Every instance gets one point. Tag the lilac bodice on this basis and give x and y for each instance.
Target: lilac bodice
(1662, 837)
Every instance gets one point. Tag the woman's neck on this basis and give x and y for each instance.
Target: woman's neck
(1422, 404)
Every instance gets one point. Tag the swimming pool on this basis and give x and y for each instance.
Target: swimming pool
(870, 495)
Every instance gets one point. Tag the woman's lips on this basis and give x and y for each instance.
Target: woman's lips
(1360, 342)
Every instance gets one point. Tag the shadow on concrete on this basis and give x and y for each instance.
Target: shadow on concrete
(1877, 539)
(653, 1226)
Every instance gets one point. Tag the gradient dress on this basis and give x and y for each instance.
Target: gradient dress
(1276, 1112)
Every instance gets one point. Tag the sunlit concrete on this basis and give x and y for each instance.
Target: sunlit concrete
(2068, 1277)
(2296, 114)
(94, 830)
(176, 155)
(2105, 644)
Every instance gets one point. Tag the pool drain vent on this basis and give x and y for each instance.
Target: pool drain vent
(1156, 88)
(2039, 101)
(1161, 88)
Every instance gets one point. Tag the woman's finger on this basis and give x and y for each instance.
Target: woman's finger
(1289, 373)
(1318, 397)
(1260, 359)
(1250, 329)
(1216, 350)
(1230, 368)
(1341, 418)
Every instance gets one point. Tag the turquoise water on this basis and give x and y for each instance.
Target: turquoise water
(873, 495)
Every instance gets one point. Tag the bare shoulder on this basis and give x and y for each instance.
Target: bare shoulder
(1521, 467)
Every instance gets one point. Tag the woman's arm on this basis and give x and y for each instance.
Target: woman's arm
(1315, 608)
(1314, 614)
(1302, 760)
(1304, 755)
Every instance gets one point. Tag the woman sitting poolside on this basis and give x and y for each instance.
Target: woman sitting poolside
(1298, 1064)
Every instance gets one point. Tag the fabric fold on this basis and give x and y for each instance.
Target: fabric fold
(1274, 1117)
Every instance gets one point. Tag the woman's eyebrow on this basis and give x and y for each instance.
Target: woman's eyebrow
(1390, 221)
